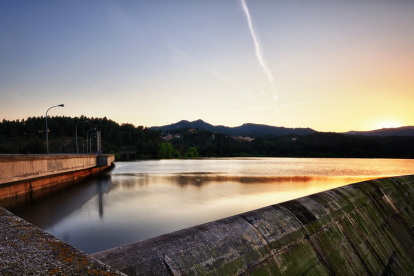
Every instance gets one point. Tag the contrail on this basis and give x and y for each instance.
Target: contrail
(178, 51)
(257, 47)
(263, 107)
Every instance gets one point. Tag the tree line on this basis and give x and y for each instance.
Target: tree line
(137, 142)
(29, 136)
(318, 144)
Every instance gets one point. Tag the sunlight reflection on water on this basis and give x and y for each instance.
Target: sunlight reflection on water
(143, 199)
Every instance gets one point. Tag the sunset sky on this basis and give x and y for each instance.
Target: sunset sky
(328, 65)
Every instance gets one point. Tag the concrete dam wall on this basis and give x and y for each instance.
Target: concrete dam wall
(25, 174)
(18, 167)
(365, 228)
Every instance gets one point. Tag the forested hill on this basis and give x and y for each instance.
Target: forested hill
(190, 139)
(28, 136)
(398, 131)
(250, 130)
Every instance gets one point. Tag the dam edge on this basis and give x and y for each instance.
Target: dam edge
(25, 174)
(365, 228)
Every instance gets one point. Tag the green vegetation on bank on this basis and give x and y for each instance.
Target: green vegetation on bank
(312, 145)
(130, 142)
(29, 136)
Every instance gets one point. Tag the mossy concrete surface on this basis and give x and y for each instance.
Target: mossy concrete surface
(27, 250)
(365, 228)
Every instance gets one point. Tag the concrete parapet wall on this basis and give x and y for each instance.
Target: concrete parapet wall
(21, 167)
(22, 174)
(52, 182)
(365, 228)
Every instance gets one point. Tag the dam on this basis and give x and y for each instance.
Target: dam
(26, 249)
(365, 228)
(23, 174)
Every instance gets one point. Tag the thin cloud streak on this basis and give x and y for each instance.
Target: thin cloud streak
(264, 107)
(257, 47)
(179, 51)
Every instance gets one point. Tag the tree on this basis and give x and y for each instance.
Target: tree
(165, 151)
(35, 145)
(191, 152)
(176, 154)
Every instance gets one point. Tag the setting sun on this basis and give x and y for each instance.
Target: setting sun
(388, 124)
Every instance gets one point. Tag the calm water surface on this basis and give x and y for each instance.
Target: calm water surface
(144, 199)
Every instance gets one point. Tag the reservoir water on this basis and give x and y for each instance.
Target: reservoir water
(143, 199)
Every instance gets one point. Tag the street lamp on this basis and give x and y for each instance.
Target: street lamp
(90, 143)
(87, 137)
(77, 151)
(47, 136)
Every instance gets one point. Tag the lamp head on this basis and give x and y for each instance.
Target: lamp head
(62, 105)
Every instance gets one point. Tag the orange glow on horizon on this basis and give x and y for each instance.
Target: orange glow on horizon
(388, 124)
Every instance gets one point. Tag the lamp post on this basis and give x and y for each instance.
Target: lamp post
(47, 136)
(77, 148)
(87, 138)
(90, 143)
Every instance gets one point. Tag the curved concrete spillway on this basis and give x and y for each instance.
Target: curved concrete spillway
(365, 228)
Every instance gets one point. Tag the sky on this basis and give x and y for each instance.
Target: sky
(328, 65)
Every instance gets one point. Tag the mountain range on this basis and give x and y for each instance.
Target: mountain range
(250, 130)
(399, 131)
(259, 130)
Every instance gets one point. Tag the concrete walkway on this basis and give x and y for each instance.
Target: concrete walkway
(28, 250)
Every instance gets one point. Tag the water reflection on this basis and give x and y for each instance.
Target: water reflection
(46, 208)
(207, 188)
(140, 200)
(103, 187)
(200, 179)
